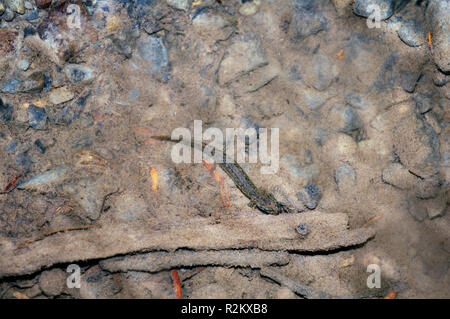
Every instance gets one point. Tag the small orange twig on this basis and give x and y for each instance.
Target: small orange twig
(224, 195)
(430, 43)
(154, 175)
(207, 165)
(176, 284)
(391, 295)
(11, 185)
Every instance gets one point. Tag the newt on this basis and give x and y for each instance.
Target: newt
(259, 198)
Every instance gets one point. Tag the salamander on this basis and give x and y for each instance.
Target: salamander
(259, 198)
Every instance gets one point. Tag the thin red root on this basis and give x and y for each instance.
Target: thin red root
(176, 284)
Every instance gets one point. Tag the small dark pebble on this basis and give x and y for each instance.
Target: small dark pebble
(310, 196)
(6, 111)
(77, 75)
(32, 15)
(40, 146)
(82, 100)
(48, 81)
(28, 31)
(90, 3)
(313, 191)
(302, 229)
(37, 117)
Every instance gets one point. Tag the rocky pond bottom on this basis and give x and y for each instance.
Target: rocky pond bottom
(358, 90)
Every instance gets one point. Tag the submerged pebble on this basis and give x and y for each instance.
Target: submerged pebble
(24, 160)
(8, 15)
(302, 229)
(6, 111)
(249, 8)
(153, 50)
(412, 33)
(40, 146)
(310, 196)
(78, 73)
(10, 85)
(308, 19)
(37, 117)
(31, 84)
(321, 72)
(179, 4)
(32, 15)
(60, 95)
(344, 173)
(23, 65)
(387, 8)
(345, 119)
(42, 181)
(17, 6)
(53, 282)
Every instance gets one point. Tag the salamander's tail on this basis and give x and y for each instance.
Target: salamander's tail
(164, 138)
